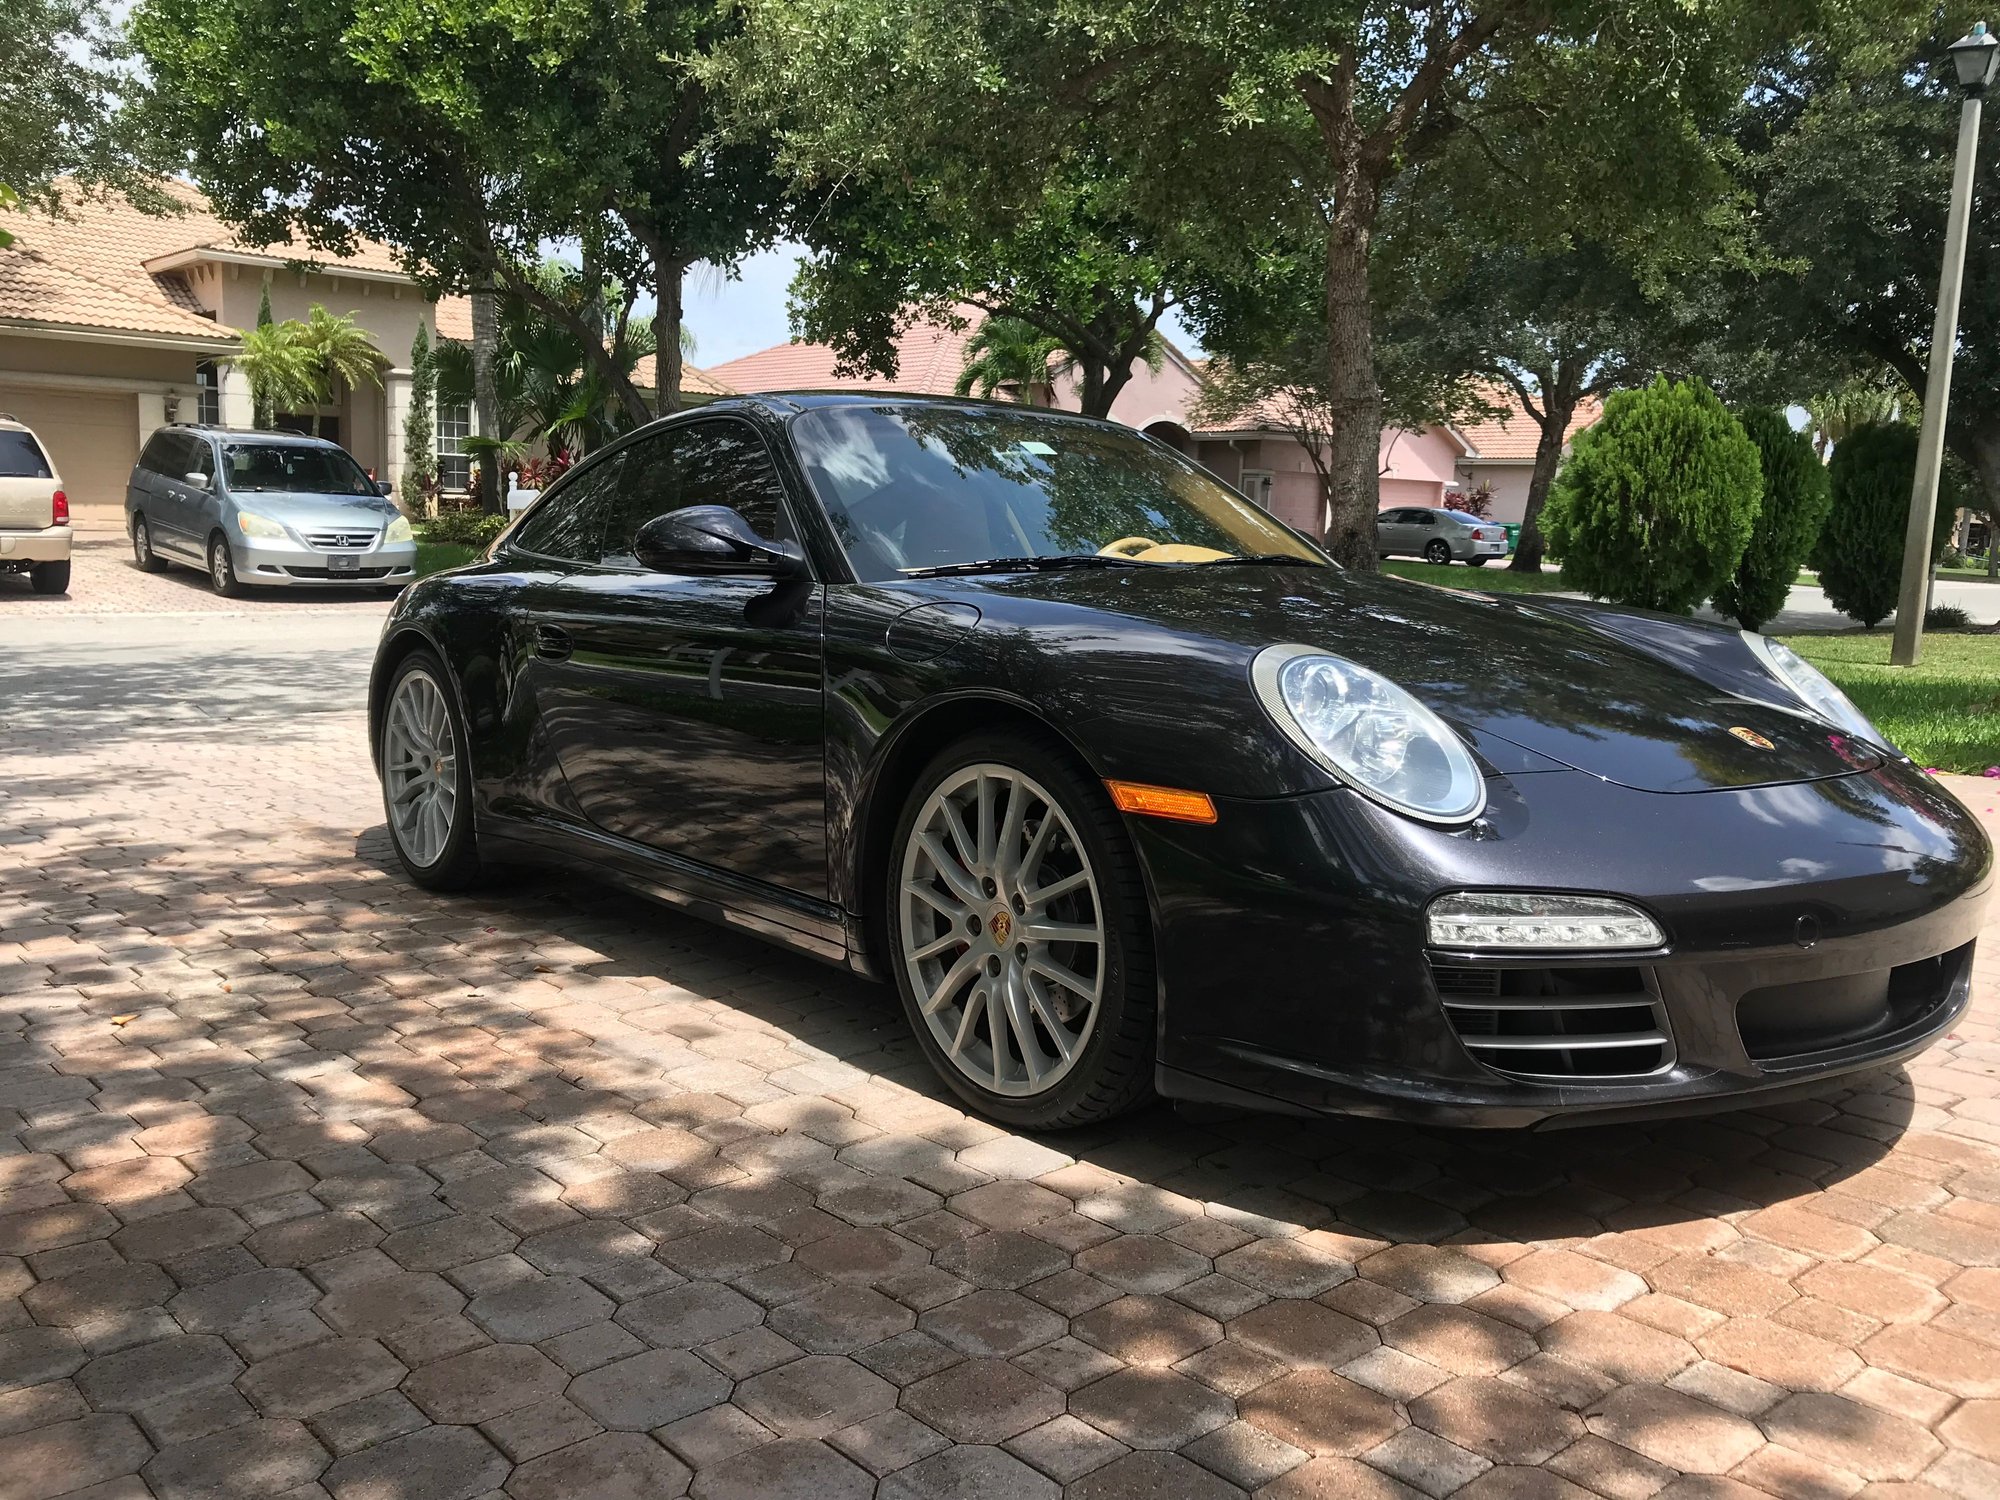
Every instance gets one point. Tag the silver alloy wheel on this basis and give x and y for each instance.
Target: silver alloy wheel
(1002, 930)
(142, 540)
(218, 564)
(420, 767)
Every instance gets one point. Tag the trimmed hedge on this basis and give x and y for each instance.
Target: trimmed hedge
(1859, 558)
(1658, 499)
(1794, 506)
(464, 528)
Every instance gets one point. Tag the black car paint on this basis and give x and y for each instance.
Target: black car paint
(1290, 932)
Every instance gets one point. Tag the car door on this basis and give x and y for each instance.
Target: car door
(1392, 531)
(170, 507)
(687, 712)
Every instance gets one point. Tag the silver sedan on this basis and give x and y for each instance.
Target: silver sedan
(1438, 535)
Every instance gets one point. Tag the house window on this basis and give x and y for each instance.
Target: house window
(1256, 484)
(454, 426)
(208, 393)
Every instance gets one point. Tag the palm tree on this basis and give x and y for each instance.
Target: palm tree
(279, 368)
(1860, 402)
(1010, 355)
(340, 356)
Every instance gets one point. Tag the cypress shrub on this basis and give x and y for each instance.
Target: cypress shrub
(1658, 499)
(1860, 551)
(1789, 518)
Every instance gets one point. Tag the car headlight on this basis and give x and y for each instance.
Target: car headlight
(398, 530)
(1370, 733)
(1815, 690)
(1504, 919)
(252, 524)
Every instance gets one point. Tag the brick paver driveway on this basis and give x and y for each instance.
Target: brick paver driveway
(320, 1185)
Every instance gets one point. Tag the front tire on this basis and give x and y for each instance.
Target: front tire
(1020, 937)
(50, 577)
(1438, 552)
(143, 554)
(427, 777)
(222, 568)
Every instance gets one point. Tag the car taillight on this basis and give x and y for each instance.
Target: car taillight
(62, 509)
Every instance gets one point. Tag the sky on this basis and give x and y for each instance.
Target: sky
(731, 317)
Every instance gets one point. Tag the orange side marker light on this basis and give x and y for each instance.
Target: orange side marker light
(1161, 802)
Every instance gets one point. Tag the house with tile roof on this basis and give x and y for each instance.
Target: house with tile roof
(114, 322)
(1503, 451)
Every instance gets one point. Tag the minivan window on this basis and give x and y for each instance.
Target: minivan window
(21, 457)
(295, 469)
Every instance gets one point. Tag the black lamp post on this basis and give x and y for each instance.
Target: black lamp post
(1977, 59)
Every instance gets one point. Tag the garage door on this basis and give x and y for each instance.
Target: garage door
(94, 441)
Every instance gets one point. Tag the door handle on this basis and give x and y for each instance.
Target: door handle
(553, 642)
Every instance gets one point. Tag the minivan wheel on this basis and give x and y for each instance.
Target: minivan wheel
(1020, 937)
(143, 554)
(222, 568)
(427, 777)
(1438, 552)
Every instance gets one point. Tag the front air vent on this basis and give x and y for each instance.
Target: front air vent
(1598, 1023)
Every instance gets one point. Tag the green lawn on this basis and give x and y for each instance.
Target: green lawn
(1494, 578)
(435, 557)
(1965, 575)
(1944, 712)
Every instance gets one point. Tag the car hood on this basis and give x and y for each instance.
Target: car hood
(295, 509)
(1649, 702)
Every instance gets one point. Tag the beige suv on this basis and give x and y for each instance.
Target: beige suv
(34, 511)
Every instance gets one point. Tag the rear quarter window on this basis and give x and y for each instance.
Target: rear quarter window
(21, 457)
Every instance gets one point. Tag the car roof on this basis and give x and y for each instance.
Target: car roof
(786, 403)
(251, 434)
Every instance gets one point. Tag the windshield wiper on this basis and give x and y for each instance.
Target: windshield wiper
(1051, 564)
(1262, 560)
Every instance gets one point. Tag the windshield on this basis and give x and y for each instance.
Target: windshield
(913, 488)
(294, 469)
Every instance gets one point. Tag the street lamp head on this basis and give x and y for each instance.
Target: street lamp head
(1977, 58)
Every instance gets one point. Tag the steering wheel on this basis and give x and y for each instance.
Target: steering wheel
(1127, 546)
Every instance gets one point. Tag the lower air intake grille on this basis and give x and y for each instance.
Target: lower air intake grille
(1557, 1023)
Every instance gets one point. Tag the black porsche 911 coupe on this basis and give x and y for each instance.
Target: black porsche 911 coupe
(1131, 792)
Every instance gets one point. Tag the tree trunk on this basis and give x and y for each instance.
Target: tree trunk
(668, 280)
(486, 393)
(1353, 470)
(1558, 406)
(1986, 468)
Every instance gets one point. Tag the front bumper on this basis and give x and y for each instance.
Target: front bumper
(51, 544)
(1296, 977)
(287, 564)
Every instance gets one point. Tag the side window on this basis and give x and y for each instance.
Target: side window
(200, 458)
(571, 524)
(701, 463)
(159, 453)
(1424, 517)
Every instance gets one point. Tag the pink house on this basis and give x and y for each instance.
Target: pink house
(1253, 452)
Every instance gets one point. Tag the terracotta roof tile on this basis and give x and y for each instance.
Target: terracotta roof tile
(1513, 437)
(929, 358)
(694, 380)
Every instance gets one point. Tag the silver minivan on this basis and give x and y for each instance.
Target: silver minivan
(266, 508)
(1438, 535)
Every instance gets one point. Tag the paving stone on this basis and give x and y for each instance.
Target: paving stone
(815, 1396)
(1303, 1333)
(485, 1383)
(1285, 1268)
(1675, 1430)
(1334, 1478)
(530, 1311)
(1427, 1462)
(308, 1241)
(30, 1356)
(252, 1461)
(841, 1319)
(888, 1441)
(751, 1352)
(861, 1255)
(1320, 1412)
(1861, 1440)
(1144, 1408)
(372, 1419)
(1245, 1454)
(660, 1386)
(790, 1469)
(993, 1324)
(68, 1455)
(139, 1376)
(318, 1378)
(612, 1466)
(66, 1301)
(221, 1306)
(689, 1315)
(587, 1348)
(982, 1401)
(968, 1473)
(1497, 1420)
(436, 1463)
(1147, 1330)
(1457, 1339)
(386, 1304)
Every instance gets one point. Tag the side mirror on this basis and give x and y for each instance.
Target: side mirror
(714, 540)
(384, 487)
(198, 479)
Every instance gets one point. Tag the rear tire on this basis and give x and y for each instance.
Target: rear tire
(1476, 562)
(426, 771)
(222, 568)
(1047, 826)
(1438, 552)
(50, 577)
(143, 554)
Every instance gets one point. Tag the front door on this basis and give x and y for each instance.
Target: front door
(686, 712)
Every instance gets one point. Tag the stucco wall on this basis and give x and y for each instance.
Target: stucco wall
(126, 363)
(1510, 486)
